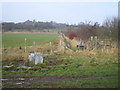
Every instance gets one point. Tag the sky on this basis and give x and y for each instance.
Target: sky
(61, 12)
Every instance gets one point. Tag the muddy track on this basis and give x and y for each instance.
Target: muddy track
(52, 78)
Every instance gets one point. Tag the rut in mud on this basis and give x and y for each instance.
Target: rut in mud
(49, 79)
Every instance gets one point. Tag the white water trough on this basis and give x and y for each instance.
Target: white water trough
(35, 58)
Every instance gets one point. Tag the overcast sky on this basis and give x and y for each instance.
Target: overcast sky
(61, 12)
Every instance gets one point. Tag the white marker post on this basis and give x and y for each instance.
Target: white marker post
(91, 38)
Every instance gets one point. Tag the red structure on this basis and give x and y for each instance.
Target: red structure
(72, 35)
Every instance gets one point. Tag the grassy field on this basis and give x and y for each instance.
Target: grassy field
(17, 40)
(71, 69)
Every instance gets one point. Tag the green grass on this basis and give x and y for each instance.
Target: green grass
(17, 40)
(74, 68)
(90, 83)
(101, 70)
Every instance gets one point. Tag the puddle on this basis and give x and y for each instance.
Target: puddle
(25, 67)
(8, 66)
(19, 83)
(18, 79)
(21, 79)
(4, 79)
(31, 78)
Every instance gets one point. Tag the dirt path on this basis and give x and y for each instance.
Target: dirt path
(50, 79)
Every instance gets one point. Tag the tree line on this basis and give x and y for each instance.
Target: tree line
(31, 25)
(108, 30)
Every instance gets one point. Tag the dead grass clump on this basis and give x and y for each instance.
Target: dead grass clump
(57, 52)
(69, 52)
(72, 42)
(102, 63)
(12, 56)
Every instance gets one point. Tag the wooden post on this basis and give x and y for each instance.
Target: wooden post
(63, 49)
(25, 44)
(34, 47)
(95, 42)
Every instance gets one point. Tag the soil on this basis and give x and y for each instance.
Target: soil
(23, 81)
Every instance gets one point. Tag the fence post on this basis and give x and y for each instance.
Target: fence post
(25, 44)
(34, 46)
(51, 48)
